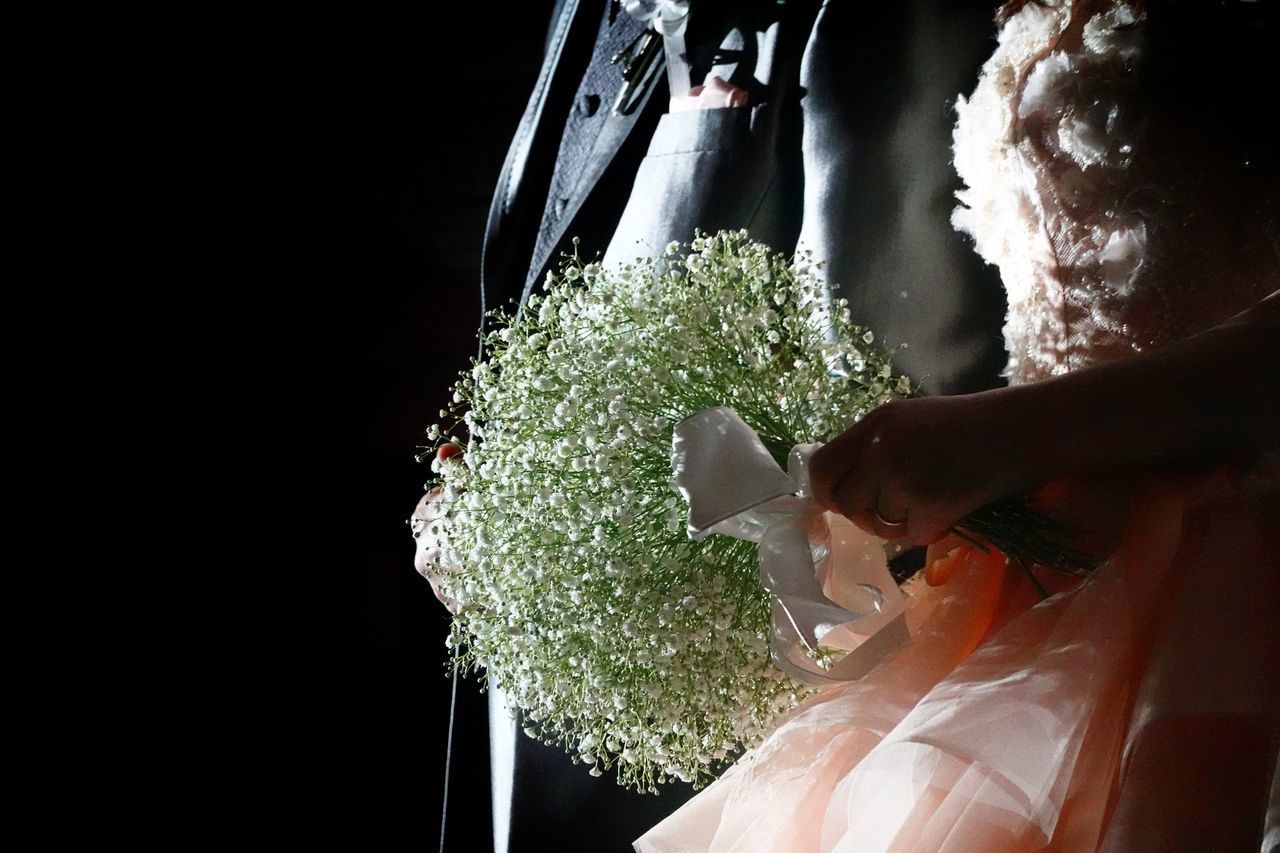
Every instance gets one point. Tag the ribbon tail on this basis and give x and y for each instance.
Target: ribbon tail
(815, 639)
(821, 633)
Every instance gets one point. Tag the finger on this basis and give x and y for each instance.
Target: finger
(426, 511)
(927, 527)
(830, 466)
(926, 535)
(891, 515)
(892, 511)
(853, 505)
(448, 450)
(852, 495)
(873, 523)
(890, 531)
(866, 521)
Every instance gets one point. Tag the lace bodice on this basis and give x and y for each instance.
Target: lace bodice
(1076, 192)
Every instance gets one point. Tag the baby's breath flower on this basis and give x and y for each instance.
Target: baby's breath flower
(632, 646)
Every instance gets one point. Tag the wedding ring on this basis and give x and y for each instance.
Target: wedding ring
(891, 526)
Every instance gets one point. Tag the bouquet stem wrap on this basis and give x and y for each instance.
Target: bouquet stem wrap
(837, 610)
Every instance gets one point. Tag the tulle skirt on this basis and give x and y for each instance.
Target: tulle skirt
(1137, 710)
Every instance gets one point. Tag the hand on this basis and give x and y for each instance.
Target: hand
(713, 94)
(912, 468)
(428, 558)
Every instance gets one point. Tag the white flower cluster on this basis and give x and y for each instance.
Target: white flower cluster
(582, 596)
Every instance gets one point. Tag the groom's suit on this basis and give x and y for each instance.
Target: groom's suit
(843, 149)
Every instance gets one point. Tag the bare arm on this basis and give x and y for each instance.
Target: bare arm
(1212, 398)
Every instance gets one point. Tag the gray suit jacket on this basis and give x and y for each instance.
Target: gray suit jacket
(848, 155)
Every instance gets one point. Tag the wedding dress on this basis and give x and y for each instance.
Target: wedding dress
(1137, 710)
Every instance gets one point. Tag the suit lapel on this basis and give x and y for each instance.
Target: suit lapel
(592, 137)
(510, 233)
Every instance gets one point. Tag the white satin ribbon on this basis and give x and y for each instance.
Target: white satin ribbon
(828, 580)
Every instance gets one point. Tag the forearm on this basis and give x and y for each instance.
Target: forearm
(1212, 398)
(933, 460)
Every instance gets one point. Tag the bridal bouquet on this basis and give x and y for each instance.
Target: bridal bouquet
(559, 536)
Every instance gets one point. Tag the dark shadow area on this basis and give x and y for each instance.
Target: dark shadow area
(408, 117)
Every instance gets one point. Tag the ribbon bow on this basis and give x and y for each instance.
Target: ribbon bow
(829, 582)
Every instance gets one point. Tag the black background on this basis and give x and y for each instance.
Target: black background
(385, 179)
